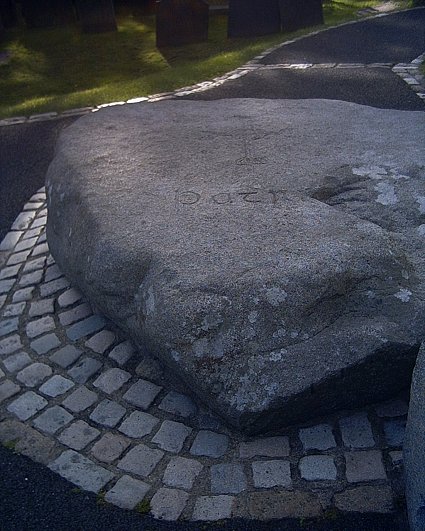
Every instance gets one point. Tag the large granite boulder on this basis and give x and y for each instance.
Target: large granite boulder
(268, 253)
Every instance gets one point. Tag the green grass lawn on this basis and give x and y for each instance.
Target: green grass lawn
(59, 69)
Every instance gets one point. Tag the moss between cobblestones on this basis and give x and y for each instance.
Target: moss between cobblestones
(11, 445)
(59, 69)
(143, 507)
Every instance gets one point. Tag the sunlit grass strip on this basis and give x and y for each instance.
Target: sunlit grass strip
(60, 69)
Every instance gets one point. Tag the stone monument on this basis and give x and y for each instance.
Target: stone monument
(96, 16)
(298, 14)
(251, 18)
(268, 253)
(181, 22)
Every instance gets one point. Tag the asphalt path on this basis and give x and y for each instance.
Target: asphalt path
(32, 497)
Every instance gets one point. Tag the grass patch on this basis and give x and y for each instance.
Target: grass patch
(143, 507)
(11, 445)
(59, 69)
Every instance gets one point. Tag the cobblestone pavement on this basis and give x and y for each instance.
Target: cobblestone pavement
(77, 397)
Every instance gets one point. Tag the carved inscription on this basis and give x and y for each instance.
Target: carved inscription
(259, 196)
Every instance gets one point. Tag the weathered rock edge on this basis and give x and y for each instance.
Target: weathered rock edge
(204, 231)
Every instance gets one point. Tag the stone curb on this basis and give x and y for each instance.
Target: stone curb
(75, 396)
(205, 85)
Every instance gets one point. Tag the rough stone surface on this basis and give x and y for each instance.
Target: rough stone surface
(171, 436)
(182, 472)
(267, 447)
(364, 466)
(27, 405)
(112, 380)
(273, 505)
(318, 467)
(356, 431)
(138, 424)
(268, 474)
(366, 499)
(211, 508)
(127, 492)
(228, 479)
(209, 444)
(81, 471)
(168, 504)
(78, 435)
(108, 413)
(142, 394)
(51, 420)
(80, 400)
(307, 278)
(414, 447)
(141, 460)
(110, 447)
(317, 437)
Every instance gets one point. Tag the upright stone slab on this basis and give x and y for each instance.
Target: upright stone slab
(8, 14)
(414, 448)
(298, 14)
(96, 16)
(266, 259)
(47, 13)
(250, 18)
(181, 22)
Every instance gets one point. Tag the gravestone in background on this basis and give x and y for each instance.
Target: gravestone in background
(249, 18)
(297, 14)
(47, 13)
(181, 22)
(96, 16)
(8, 14)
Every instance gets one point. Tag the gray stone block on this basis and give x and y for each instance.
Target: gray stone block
(356, 431)
(75, 314)
(66, 356)
(284, 504)
(182, 472)
(50, 288)
(6, 285)
(318, 437)
(23, 220)
(110, 447)
(16, 362)
(127, 492)
(322, 206)
(56, 386)
(52, 273)
(53, 419)
(78, 435)
(213, 508)
(142, 394)
(365, 499)
(108, 413)
(69, 297)
(9, 345)
(138, 424)
(111, 380)
(27, 405)
(33, 265)
(7, 326)
(168, 504)
(10, 240)
(318, 468)
(25, 244)
(17, 258)
(85, 327)
(394, 432)
(42, 307)
(122, 352)
(80, 400)
(8, 389)
(40, 326)
(13, 310)
(171, 436)
(24, 294)
(9, 272)
(45, 344)
(81, 471)
(34, 374)
(210, 444)
(228, 479)
(101, 342)
(265, 447)
(178, 404)
(31, 279)
(268, 474)
(364, 466)
(82, 371)
(141, 460)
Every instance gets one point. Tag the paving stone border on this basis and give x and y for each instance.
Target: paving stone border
(409, 72)
(77, 397)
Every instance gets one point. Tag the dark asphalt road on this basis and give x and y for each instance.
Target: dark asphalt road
(397, 38)
(25, 154)
(33, 498)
